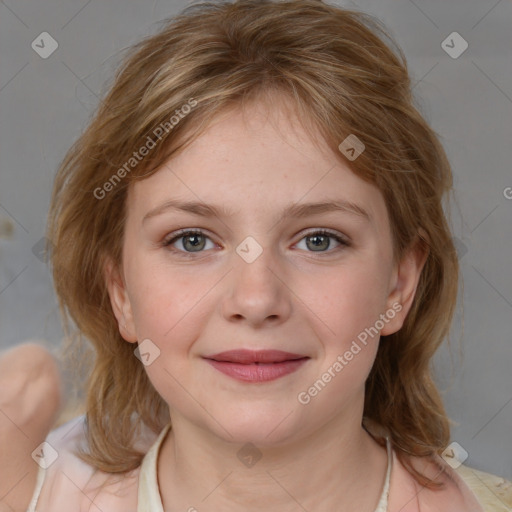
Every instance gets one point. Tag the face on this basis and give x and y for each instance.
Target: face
(312, 282)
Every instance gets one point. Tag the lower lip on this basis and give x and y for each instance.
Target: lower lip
(257, 372)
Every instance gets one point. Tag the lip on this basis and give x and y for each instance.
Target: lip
(256, 366)
(245, 356)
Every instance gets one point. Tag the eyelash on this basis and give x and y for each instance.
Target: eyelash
(167, 242)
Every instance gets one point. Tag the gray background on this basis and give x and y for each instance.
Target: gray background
(45, 103)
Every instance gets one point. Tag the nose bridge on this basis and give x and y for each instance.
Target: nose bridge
(254, 264)
(256, 291)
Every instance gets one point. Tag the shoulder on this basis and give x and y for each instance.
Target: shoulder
(72, 484)
(456, 495)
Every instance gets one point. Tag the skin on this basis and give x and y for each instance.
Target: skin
(30, 399)
(293, 297)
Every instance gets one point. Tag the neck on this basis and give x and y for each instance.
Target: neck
(329, 469)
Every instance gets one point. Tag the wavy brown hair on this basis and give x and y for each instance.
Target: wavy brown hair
(344, 74)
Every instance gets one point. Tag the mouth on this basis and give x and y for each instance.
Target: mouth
(244, 356)
(256, 366)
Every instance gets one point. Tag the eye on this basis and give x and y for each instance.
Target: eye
(194, 241)
(319, 241)
(190, 241)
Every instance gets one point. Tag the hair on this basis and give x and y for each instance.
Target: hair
(344, 74)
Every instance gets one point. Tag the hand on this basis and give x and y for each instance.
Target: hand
(30, 400)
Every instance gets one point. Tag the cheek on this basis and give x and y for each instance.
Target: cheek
(348, 299)
(160, 299)
(349, 307)
(349, 303)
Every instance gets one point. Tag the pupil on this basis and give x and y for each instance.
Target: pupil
(318, 239)
(195, 244)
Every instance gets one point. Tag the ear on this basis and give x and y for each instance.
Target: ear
(120, 301)
(404, 282)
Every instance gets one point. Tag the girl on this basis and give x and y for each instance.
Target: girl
(250, 234)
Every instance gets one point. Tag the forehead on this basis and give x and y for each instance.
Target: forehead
(254, 162)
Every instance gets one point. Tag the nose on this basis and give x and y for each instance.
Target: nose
(258, 291)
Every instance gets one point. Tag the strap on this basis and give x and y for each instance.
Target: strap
(39, 485)
(383, 502)
(148, 491)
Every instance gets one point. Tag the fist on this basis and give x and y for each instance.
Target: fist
(30, 399)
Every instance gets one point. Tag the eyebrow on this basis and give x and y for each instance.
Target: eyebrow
(298, 210)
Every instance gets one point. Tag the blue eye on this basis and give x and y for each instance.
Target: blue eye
(194, 241)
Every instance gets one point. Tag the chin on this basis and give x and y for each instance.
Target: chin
(262, 427)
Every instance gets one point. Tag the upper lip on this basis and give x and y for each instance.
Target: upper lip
(245, 356)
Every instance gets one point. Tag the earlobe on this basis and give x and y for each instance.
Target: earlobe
(405, 282)
(120, 301)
